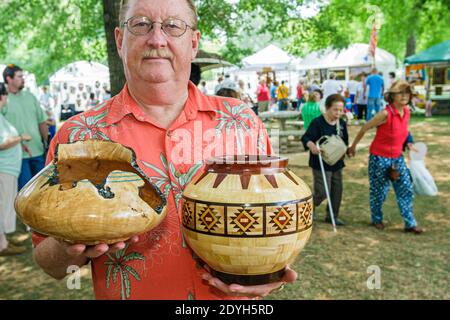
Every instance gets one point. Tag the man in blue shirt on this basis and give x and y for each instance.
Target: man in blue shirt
(376, 90)
(273, 92)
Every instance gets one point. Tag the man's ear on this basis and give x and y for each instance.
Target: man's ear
(195, 43)
(118, 33)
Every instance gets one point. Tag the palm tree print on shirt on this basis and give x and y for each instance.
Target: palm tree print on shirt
(88, 127)
(118, 266)
(178, 181)
(235, 119)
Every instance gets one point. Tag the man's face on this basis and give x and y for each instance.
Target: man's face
(81, 87)
(18, 81)
(171, 56)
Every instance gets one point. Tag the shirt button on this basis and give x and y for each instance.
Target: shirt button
(169, 133)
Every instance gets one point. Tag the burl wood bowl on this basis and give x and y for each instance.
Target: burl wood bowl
(247, 217)
(93, 192)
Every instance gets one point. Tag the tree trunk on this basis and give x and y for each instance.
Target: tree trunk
(411, 45)
(111, 10)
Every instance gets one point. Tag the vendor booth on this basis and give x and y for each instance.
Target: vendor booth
(346, 64)
(272, 63)
(430, 71)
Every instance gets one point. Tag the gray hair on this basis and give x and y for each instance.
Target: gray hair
(124, 6)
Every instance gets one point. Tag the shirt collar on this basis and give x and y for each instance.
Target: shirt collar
(124, 104)
(396, 112)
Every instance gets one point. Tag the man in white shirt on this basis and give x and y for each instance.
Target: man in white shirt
(331, 86)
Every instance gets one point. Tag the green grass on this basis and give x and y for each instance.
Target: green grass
(332, 266)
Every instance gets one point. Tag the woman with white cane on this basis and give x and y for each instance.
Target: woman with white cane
(328, 177)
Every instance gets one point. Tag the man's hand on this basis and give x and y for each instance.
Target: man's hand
(25, 137)
(92, 252)
(250, 291)
(27, 150)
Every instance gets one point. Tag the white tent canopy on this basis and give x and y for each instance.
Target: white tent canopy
(272, 57)
(81, 72)
(356, 55)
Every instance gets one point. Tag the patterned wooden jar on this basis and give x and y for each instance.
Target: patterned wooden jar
(93, 192)
(247, 217)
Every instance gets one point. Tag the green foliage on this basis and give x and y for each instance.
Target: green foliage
(44, 35)
(342, 22)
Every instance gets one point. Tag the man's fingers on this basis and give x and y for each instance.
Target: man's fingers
(289, 275)
(116, 247)
(75, 250)
(255, 291)
(133, 239)
(97, 251)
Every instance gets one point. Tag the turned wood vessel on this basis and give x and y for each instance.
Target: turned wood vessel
(247, 217)
(93, 192)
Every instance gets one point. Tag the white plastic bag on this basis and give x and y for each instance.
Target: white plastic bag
(423, 181)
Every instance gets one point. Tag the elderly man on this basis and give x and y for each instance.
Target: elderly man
(156, 110)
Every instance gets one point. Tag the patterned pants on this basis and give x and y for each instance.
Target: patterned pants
(379, 188)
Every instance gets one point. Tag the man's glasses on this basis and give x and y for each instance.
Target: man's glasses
(140, 26)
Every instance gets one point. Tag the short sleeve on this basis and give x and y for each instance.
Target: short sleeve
(40, 112)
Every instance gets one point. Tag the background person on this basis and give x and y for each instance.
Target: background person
(10, 164)
(386, 157)
(327, 125)
(375, 92)
(25, 113)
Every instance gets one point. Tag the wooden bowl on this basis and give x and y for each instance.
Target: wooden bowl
(93, 192)
(247, 217)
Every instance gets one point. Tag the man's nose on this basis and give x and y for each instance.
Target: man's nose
(156, 37)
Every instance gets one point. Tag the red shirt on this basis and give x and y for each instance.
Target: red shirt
(162, 265)
(391, 135)
(299, 92)
(263, 93)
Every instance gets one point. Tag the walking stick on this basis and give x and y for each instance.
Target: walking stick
(330, 206)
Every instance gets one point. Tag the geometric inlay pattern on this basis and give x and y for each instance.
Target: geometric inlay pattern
(209, 218)
(244, 221)
(305, 210)
(252, 220)
(188, 214)
(282, 219)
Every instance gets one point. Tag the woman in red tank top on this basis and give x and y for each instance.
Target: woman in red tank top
(386, 162)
